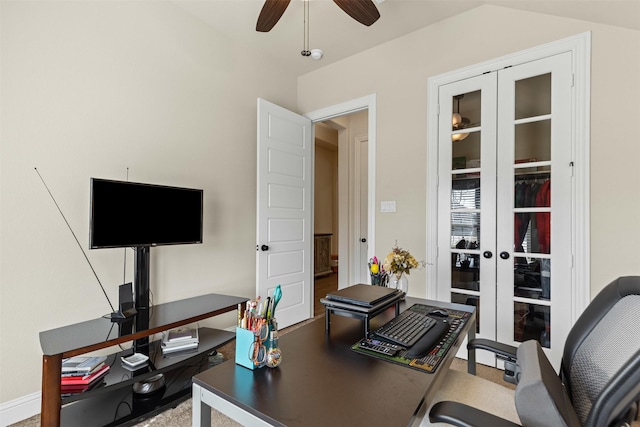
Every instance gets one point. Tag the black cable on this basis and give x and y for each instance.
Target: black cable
(77, 241)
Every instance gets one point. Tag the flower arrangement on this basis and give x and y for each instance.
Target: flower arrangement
(400, 261)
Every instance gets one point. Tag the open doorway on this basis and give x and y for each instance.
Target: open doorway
(284, 243)
(341, 203)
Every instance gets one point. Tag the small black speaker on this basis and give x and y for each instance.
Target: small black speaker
(126, 306)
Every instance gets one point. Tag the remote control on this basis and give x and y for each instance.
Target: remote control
(135, 359)
(381, 347)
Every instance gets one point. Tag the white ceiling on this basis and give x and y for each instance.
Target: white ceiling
(339, 36)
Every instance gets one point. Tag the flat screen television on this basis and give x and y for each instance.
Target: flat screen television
(131, 214)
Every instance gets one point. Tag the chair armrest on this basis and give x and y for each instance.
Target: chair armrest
(461, 415)
(503, 351)
(506, 352)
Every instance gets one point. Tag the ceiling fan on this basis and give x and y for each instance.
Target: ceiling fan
(363, 11)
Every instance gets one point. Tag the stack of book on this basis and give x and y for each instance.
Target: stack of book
(180, 340)
(82, 373)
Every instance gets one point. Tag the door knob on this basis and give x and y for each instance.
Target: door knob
(363, 240)
(487, 254)
(264, 248)
(504, 255)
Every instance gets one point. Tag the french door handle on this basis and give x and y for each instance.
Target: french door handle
(487, 254)
(264, 248)
(363, 240)
(504, 255)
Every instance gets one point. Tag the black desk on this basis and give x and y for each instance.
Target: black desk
(321, 381)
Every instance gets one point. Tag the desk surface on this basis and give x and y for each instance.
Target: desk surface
(321, 381)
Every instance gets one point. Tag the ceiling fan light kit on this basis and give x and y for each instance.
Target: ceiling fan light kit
(456, 119)
(458, 122)
(316, 54)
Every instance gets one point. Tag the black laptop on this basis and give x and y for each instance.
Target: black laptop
(363, 295)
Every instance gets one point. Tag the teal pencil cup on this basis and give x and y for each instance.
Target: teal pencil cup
(244, 340)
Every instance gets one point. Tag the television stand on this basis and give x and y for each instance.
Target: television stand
(114, 402)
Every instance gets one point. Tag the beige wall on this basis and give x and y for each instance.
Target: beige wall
(397, 73)
(91, 89)
(325, 189)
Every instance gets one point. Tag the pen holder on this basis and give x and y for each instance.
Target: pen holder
(244, 340)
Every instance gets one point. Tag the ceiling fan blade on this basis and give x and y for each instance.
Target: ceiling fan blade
(270, 14)
(363, 11)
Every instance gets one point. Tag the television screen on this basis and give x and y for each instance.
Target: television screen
(128, 214)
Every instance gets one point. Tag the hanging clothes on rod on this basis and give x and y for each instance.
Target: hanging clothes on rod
(532, 193)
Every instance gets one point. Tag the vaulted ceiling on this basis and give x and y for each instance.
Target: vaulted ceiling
(339, 36)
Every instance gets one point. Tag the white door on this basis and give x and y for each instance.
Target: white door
(284, 222)
(535, 261)
(467, 200)
(500, 225)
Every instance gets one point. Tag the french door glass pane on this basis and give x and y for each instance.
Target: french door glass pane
(465, 220)
(467, 106)
(532, 144)
(465, 153)
(533, 96)
(532, 233)
(468, 300)
(532, 278)
(532, 191)
(465, 271)
(532, 322)
(465, 230)
(465, 192)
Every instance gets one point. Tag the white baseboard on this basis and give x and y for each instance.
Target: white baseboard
(20, 409)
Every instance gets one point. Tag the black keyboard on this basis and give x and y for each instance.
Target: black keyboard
(407, 328)
(436, 342)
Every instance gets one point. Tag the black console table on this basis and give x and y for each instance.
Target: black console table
(113, 403)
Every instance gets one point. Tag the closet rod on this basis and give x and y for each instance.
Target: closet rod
(532, 175)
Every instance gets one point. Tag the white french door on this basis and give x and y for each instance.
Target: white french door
(535, 262)
(504, 237)
(467, 199)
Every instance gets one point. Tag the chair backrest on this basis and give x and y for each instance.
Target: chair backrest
(601, 358)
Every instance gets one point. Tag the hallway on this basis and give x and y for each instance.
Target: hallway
(322, 286)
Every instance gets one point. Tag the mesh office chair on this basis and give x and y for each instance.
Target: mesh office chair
(598, 384)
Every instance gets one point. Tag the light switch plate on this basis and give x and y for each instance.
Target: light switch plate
(388, 206)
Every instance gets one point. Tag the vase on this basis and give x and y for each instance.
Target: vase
(380, 279)
(400, 281)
